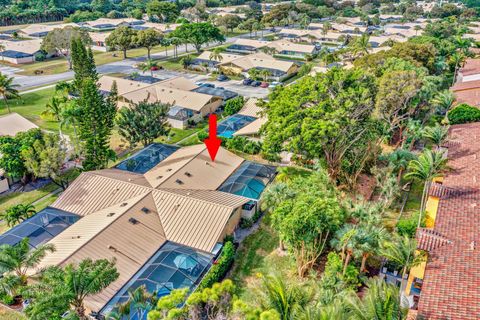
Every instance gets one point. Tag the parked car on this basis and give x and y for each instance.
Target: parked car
(256, 83)
(220, 88)
(274, 84)
(264, 84)
(199, 83)
(247, 82)
(222, 77)
(208, 85)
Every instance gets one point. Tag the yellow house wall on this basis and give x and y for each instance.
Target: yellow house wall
(431, 211)
(230, 69)
(415, 272)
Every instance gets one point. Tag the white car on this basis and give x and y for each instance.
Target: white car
(274, 84)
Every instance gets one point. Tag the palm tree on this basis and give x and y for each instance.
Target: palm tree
(326, 27)
(403, 251)
(216, 55)
(417, 28)
(74, 283)
(17, 213)
(264, 73)
(369, 239)
(285, 299)
(7, 89)
(148, 65)
(345, 242)
(139, 300)
(274, 195)
(9, 285)
(253, 73)
(457, 59)
(186, 61)
(69, 117)
(20, 258)
(443, 101)
(361, 45)
(429, 165)
(399, 160)
(380, 302)
(436, 134)
(54, 107)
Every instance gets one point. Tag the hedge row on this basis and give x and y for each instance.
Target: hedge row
(218, 271)
(463, 113)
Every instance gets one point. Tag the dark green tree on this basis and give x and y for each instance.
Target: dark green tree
(122, 38)
(198, 34)
(83, 64)
(95, 124)
(143, 122)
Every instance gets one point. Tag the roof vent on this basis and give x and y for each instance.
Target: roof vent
(169, 169)
(188, 174)
(145, 210)
(123, 204)
(159, 177)
(76, 237)
(179, 181)
(110, 214)
(133, 221)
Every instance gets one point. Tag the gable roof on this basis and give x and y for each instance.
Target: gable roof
(451, 285)
(250, 108)
(13, 123)
(123, 85)
(26, 46)
(260, 60)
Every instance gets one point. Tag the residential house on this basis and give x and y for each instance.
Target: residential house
(282, 48)
(470, 71)
(447, 286)
(161, 214)
(41, 30)
(467, 92)
(279, 69)
(99, 41)
(106, 24)
(20, 52)
(252, 130)
(10, 125)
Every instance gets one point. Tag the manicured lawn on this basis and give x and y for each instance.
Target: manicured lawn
(59, 65)
(31, 105)
(414, 198)
(190, 141)
(177, 135)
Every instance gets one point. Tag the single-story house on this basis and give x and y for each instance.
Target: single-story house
(99, 41)
(162, 27)
(315, 35)
(19, 52)
(339, 27)
(106, 24)
(41, 30)
(279, 69)
(470, 71)
(281, 47)
(10, 125)
(205, 59)
(223, 93)
(161, 214)
(105, 84)
(252, 130)
(467, 92)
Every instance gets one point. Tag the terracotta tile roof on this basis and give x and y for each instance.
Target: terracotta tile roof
(472, 66)
(468, 85)
(451, 286)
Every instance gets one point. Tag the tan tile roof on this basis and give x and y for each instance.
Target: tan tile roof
(260, 60)
(451, 286)
(114, 22)
(38, 28)
(467, 85)
(159, 92)
(226, 57)
(252, 127)
(124, 85)
(25, 46)
(99, 36)
(192, 168)
(250, 108)
(179, 83)
(13, 123)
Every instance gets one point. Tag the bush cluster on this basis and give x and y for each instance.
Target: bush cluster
(244, 145)
(234, 105)
(464, 113)
(219, 270)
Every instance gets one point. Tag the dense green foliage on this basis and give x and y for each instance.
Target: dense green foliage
(463, 113)
(218, 271)
(243, 144)
(198, 34)
(143, 122)
(234, 105)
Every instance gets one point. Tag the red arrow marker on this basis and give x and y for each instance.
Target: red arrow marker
(212, 142)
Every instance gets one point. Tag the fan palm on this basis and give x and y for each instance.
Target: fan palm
(429, 165)
(286, 300)
(274, 195)
(8, 89)
(17, 213)
(443, 101)
(436, 134)
(380, 302)
(140, 300)
(148, 65)
(20, 257)
(264, 73)
(216, 55)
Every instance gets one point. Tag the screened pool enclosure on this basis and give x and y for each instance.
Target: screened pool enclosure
(174, 266)
(232, 124)
(249, 180)
(40, 228)
(147, 158)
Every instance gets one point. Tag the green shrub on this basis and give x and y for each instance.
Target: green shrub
(234, 105)
(464, 113)
(202, 135)
(220, 269)
(7, 299)
(242, 144)
(408, 226)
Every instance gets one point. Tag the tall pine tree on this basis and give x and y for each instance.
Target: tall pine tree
(96, 122)
(96, 113)
(83, 64)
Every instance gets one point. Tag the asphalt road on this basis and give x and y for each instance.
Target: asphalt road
(124, 66)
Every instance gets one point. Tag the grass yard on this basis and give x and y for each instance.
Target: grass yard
(31, 105)
(177, 135)
(414, 199)
(6, 314)
(59, 65)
